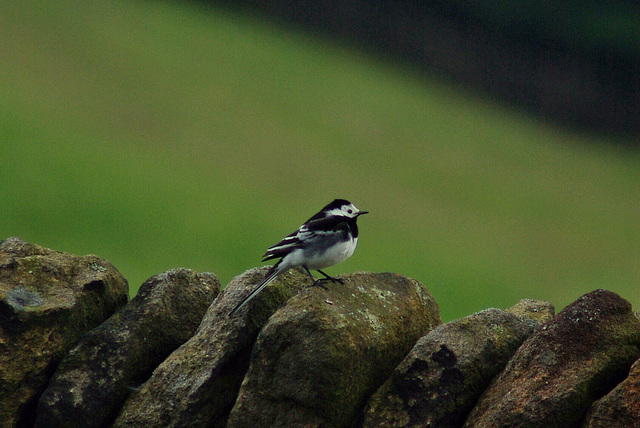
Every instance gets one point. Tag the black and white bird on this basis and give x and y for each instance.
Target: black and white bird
(324, 240)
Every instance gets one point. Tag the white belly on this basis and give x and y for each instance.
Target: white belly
(334, 255)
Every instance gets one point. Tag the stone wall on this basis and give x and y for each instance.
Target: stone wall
(371, 352)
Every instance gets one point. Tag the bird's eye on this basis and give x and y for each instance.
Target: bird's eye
(350, 211)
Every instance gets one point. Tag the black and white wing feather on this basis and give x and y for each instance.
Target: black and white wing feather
(284, 247)
(308, 232)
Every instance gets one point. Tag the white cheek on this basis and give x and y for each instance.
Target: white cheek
(335, 211)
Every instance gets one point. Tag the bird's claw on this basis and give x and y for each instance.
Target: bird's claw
(318, 283)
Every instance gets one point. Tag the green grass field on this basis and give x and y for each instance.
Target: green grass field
(161, 135)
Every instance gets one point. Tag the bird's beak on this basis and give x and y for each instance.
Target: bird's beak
(363, 212)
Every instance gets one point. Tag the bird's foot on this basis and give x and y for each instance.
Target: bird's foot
(329, 278)
(318, 282)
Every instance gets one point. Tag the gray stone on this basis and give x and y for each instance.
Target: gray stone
(197, 384)
(441, 379)
(621, 407)
(319, 358)
(564, 366)
(536, 310)
(93, 381)
(48, 299)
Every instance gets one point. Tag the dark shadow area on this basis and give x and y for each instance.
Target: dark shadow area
(574, 63)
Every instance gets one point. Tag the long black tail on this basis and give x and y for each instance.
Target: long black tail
(271, 275)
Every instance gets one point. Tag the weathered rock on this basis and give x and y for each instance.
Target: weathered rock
(443, 376)
(564, 366)
(319, 358)
(93, 381)
(536, 310)
(621, 407)
(47, 300)
(197, 384)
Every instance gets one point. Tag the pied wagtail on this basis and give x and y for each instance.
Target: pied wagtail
(324, 240)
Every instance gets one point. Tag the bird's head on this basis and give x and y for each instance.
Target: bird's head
(342, 207)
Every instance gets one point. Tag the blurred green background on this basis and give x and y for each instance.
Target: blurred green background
(161, 135)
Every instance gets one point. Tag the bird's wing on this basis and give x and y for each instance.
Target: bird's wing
(322, 225)
(284, 247)
(308, 231)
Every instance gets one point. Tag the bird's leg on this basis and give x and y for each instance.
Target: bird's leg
(315, 282)
(330, 278)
